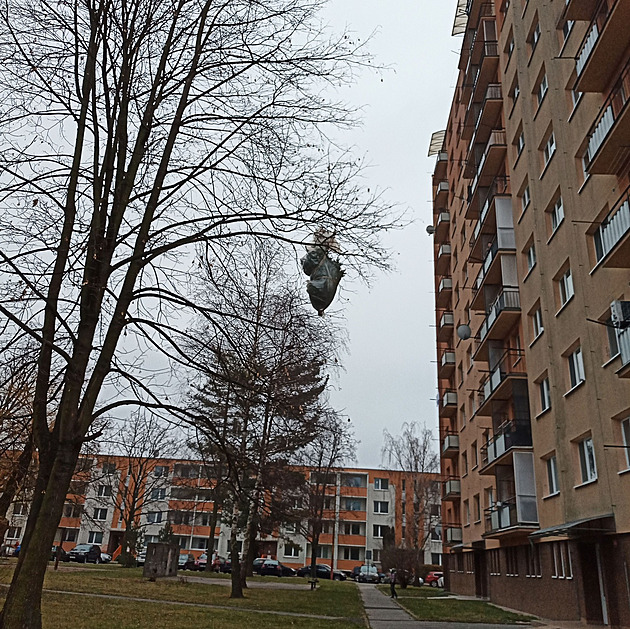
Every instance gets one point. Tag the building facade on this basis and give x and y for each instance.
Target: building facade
(531, 231)
(360, 505)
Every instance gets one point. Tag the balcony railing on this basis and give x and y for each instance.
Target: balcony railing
(448, 358)
(449, 398)
(623, 338)
(452, 486)
(453, 533)
(450, 442)
(508, 299)
(504, 515)
(512, 433)
(512, 363)
(613, 228)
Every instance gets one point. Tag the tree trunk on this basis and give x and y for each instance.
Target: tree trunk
(237, 586)
(22, 608)
(314, 552)
(213, 525)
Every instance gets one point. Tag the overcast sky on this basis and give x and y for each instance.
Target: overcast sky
(390, 374)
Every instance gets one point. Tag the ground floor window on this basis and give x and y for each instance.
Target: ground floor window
(200, 543)
(350, 552)
(291, 550)
(494, 562)
(511, 561)
(533, 561)
(95, 537)
(436, 559)
(562, 568)
(469, 561)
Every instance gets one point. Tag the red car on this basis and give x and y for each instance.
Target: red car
(432, 578)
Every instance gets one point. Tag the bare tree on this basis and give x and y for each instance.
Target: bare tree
(132, 135)
(412, 451)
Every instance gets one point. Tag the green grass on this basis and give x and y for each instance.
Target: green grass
(414, 592)
(330, 599)
(453, 610)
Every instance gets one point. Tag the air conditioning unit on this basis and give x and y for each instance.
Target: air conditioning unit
(620, 314)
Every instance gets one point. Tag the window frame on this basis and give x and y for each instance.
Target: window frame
(588, 461)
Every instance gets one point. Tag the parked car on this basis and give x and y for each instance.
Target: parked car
(201, 562)
(186, 562)
(141, 558)
(432, 578)
(106, 557)
(257, 565)
(84, 553)
(272, 567)
(368, 574)
(440, 582)
(226, 566)
(63, 555)
(323, 572)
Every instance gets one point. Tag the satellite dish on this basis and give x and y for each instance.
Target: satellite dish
(464, 332)
(430, 230)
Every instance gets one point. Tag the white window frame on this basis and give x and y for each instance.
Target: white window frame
(588, 463)
(154, 517)
(557, 215)
(535, 36)
(542, 88)
(545, 394)
(565, 287)
(381, 483)
(14, 532)
(552, 475)
(377, 530)
(562, 568)
(525, 199)
(100, 514)
(550, 148)
(291, 550)
(576, 367)
(381, 506)
(520, 143)
(95, 537)
(537, 323)
(531, 257)
(625, 433)
(104, 491)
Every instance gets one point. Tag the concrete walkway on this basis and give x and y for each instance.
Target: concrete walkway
(385, 613)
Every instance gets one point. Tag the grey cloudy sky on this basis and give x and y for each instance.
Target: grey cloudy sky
(390, 375)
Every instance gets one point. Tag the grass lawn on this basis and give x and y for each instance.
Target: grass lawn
(453, 610)
(66, 610)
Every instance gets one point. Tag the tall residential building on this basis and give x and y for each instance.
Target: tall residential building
(360, 505)
(531, 231)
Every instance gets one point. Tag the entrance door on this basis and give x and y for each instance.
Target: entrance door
(481, 574)
(602, 589)
(593, 585)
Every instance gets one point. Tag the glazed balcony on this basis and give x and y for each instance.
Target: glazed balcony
(444, 292)
(513, 435)
(443, 259)
(612, 238)
(501, 316)
(450, 445)
(608, 149)
(604, 46)
(453, 534)
(441, 164)
(623, 338)
(445, 326)
(446, 364)
(442, 227)
(503, 520)
(491, 271)
(580, 10)
(497, 386)
(441, 194)
(451, 489)
(448, 403)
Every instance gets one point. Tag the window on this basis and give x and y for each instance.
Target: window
(520, 143)
(511, 561)
(562, 568)
(477, 508)
(354, 504)
(625, 430)
(565, 287)
(510, 46)
(552, 475)
(104, 490)
(464, 463)
(566, 29)
(576, 367)
(557, 214)
(14, 532)
(352, 528)
(550, 148)
(160, 470)
(535, 36)
(531, 257)
(525, 198)
(350, 552)
(379, 530)
(588, 468)
(474, 454)
(181, 517)
(381, 506)
(352, 480)
(290, 527)
(200, 543)
(291, 550)
(20, 508)
(545, 395)
(537, 322)
(376, 554)
(158, 494)
(109, 467)
(494, 562)
(533, 561)
(466, 512)
(381, 483)
(95, 537)
(100, 514)
(70, 535)
(541, 89)
(154, 517)
(323, 552)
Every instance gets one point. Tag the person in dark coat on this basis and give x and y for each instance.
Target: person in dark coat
(392, 584)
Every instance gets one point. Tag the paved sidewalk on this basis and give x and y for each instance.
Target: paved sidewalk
(385, 613)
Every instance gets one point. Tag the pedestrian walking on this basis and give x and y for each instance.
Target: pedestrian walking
(392, 584)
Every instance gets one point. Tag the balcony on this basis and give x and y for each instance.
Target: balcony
(612, 238)
(481, 199)
(491, 271)
(608, 146)
(443, 260)
(453, 534)
(451, 489)
(450, 445)
(580, 10)
(448, 403)
(604, 46)
(441, 194)
(444, 292)
(623, 338)
(446, 364)
(503, 314)
(497, 386)
(503, 520)
(441, 163)
(478, 9)
(445, 327)
(511, 436)
(442, 227)
(491, 161)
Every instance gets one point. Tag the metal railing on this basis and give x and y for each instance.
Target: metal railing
(592, 35)
(511, 434)
(510, 364)
(613, 228)
(507, 299)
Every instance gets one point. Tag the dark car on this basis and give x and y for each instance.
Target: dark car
(432, 578)
(368, 574)
(257, 565)
(226, 566)
(63, 555)
(272, 567)
(186, 562)
(323, 572)
(84, 553)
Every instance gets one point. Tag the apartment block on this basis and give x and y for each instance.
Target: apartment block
(360, 505)
(531, 234)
